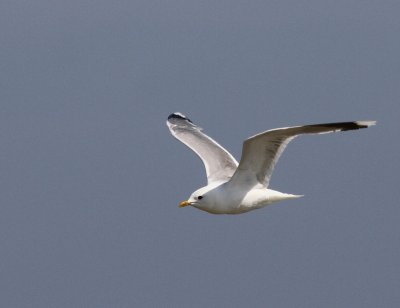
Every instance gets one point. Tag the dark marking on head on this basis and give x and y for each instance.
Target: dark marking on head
(178, 116)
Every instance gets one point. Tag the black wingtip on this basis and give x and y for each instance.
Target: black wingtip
(357, 125)
(344, 126)
(178, 115)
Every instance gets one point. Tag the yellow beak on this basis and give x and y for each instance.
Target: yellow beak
(184, 203)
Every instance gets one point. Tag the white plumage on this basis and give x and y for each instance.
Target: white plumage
(234, 188)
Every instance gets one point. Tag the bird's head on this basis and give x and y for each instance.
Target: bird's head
(201, 199)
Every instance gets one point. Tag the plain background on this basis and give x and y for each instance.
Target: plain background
(90, 177)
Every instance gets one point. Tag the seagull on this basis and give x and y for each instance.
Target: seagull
(234, 188)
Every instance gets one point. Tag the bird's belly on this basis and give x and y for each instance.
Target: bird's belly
(253, 199)
(258, 198)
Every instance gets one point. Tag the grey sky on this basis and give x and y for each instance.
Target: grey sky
(90, 177)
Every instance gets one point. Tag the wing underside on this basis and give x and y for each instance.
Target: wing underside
(261, 152)
(219, 163)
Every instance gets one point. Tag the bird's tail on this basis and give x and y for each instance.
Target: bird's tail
(290, 196)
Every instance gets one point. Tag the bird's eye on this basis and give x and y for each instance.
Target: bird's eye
(200, 197)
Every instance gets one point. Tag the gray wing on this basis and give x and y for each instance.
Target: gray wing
(219, 163)
(261, 152)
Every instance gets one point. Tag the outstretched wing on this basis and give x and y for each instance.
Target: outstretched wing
(219, 163)
(261, 152)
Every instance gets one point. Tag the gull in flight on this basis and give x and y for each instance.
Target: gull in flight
(234, 188)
